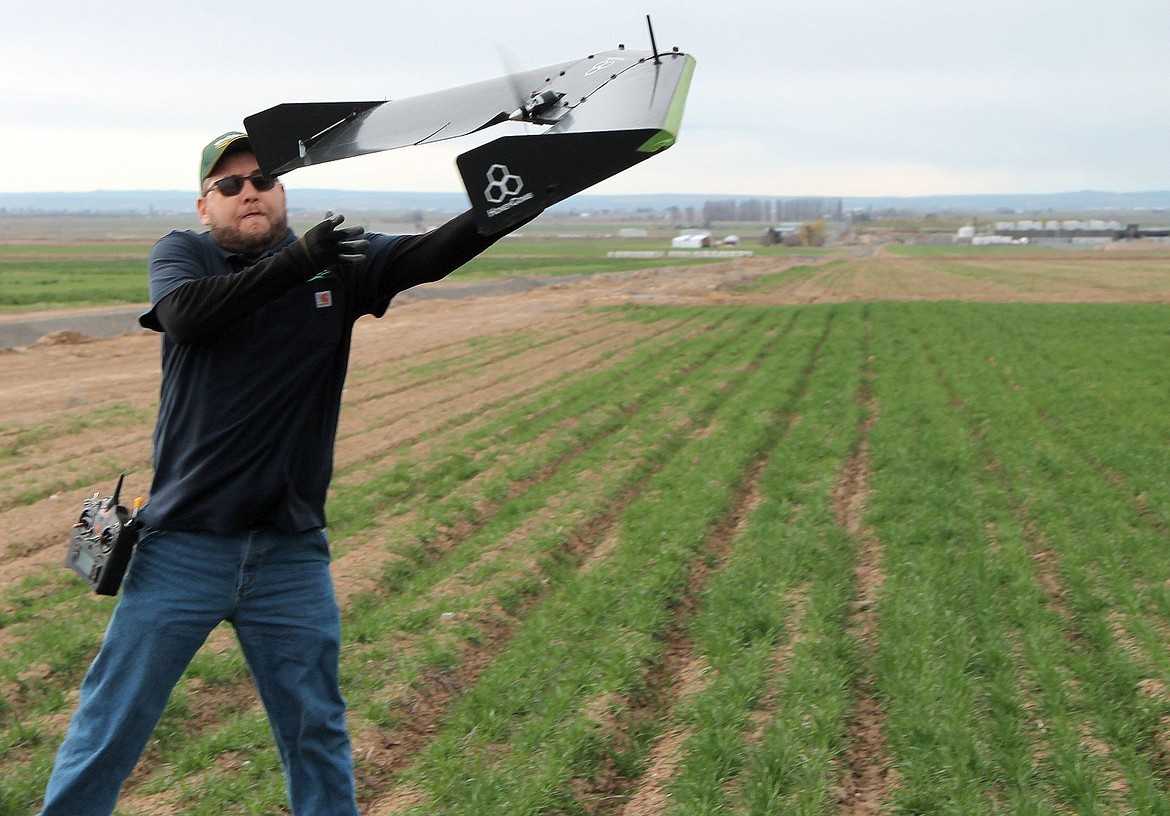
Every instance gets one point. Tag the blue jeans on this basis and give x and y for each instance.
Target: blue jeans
(276, 590)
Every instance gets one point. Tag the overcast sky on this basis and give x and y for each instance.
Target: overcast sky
(836, 97)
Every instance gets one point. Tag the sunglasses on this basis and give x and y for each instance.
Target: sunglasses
(232, 185)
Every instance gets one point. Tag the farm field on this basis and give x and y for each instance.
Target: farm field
(871, 532)
(53, 274)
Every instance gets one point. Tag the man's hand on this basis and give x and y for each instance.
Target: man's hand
(328, 244)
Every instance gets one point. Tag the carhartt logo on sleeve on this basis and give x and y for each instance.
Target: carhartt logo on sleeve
(324, 299)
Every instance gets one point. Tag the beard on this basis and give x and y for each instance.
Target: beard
(233, 239)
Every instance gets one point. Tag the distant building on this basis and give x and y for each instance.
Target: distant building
(764, 210)
(1052, 232)
(774, 236)
(691, 240)
(810, 209)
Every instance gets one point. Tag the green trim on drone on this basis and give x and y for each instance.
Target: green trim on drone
(670, 126)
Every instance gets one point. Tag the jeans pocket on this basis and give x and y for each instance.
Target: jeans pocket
(147, 535)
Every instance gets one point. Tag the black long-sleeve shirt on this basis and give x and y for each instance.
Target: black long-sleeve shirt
(254, 357)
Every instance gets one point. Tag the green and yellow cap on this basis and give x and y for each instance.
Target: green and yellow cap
(219, 147)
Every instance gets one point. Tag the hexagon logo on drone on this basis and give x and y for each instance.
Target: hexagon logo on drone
(502, 184)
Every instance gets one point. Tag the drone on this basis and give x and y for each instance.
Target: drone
(599, 115)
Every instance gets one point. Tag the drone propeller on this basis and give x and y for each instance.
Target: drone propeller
(530, 105)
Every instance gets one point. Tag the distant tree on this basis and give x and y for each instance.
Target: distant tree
(813, 234)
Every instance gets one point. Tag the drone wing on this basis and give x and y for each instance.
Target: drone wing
(298, 134)
(602, 114)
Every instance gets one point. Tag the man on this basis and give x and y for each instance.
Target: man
(256, 326)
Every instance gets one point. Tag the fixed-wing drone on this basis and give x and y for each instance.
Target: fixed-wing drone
(601, 114)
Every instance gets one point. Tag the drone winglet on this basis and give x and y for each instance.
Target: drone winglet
(603, 114)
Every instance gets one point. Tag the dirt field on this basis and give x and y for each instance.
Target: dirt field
(76, 410)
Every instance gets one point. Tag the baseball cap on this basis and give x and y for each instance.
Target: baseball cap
(217, 148)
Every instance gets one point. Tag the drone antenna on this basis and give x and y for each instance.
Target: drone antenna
(653, 45)
(117, 490)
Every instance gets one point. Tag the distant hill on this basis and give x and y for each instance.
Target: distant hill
(173, 201)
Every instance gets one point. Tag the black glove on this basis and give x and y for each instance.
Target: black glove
(328, 245)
